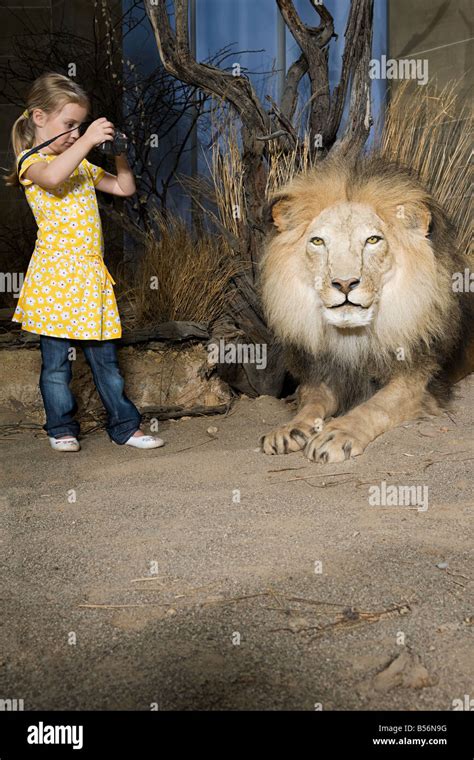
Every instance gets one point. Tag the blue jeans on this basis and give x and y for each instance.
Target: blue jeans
(123, 418)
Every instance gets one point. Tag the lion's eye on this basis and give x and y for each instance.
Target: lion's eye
(373, 239)
(317, 241)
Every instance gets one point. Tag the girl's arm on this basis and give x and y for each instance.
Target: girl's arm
(50, 175)
(123, 183)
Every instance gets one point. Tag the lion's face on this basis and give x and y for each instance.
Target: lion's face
(349, 265)
(348, 256)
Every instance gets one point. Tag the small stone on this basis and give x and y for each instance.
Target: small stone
(442, 565)
(211, 430)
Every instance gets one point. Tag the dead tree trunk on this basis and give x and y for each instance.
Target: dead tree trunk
(243, 320)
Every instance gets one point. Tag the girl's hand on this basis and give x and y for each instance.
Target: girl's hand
(99, 131)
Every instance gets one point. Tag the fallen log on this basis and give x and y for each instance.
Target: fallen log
(171, 332)
(176, 412)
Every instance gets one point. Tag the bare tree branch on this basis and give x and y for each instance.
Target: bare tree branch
(356, 26)
(294, 76)
(359, 120)
(313, 41)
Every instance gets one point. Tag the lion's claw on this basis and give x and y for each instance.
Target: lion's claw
(332, 446)
(284, 440)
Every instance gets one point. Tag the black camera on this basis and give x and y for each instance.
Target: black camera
(116, 146)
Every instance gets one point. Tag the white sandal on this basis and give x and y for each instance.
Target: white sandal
(144, 442)
(65, 444)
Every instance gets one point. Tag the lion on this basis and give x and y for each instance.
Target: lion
(356, 282)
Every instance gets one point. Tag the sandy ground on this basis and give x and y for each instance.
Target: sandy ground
(207, 576)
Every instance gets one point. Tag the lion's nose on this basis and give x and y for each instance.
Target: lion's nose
(345, 285)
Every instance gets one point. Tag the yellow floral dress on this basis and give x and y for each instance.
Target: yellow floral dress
(67, 291)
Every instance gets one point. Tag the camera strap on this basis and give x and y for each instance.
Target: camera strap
(37, 148)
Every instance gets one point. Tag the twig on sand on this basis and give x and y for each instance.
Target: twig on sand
(314, 601)
(232, 599)
(195, 445)
(451, 461)
(285, 469)
(351, 618)
(451, 417)
(119, 606)
(283, 608)
(328, 485)
(307, 477)
(13, 428)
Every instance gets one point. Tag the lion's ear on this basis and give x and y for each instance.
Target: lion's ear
(419, 218)
(424, 221)
(278, 212)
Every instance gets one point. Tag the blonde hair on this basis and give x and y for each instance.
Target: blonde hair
(50, 92)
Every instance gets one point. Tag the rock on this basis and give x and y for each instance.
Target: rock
(404, 671)
(167, 377)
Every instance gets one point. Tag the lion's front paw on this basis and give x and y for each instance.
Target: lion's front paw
(333, 446)
(291, 437)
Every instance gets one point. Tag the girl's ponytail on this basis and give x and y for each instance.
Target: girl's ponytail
(49, 92)
(22, 136)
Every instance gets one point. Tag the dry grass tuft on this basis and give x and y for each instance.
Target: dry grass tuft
(283, 166)
(431, 132)
(191, 276)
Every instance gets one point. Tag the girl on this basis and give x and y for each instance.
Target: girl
(67, 294)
